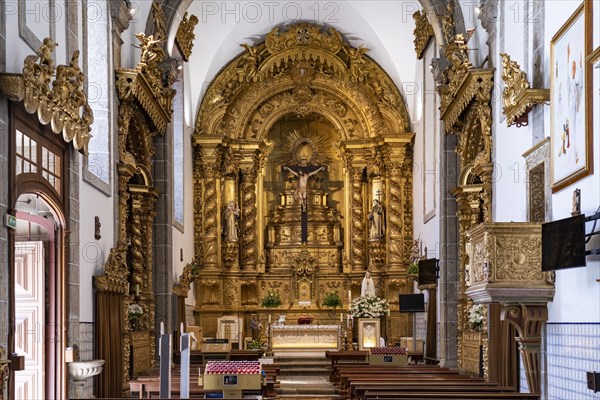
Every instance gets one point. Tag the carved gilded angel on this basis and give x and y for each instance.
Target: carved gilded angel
(250, 63)
(357, 60)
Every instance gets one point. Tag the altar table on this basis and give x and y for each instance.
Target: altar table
(305, 337)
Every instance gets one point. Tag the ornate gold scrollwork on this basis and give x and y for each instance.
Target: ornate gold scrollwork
(182, 287)
(185, 35)
(116, 271)
(518, 97)
(149, 83)
(423, 33)
(65, 106)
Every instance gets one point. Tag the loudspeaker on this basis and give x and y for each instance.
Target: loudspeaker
(593, 381)
(412, 303)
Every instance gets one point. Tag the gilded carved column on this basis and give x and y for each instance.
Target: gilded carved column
(394, 216)
(407, 226)
(358, 221)
(210, 220)
(137, 252)
(248, 189)
(198, 202)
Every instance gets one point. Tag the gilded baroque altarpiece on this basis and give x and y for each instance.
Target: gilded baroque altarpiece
(302, 181)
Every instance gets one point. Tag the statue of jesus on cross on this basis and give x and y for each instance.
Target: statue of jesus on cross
(300, 192)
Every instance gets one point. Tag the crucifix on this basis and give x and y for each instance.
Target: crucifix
(378, 193)
(303, 173)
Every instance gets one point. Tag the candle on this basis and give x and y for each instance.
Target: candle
(269, 318)
(388, 312)
(137, 290)
(349, 296)
(341, 317)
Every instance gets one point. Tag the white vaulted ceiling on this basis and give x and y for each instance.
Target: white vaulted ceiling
(385, 27)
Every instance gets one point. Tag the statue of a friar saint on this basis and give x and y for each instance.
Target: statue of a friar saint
(376, 220)
(302, 175)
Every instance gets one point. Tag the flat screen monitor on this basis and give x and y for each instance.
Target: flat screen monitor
(563, 243)
(428, 271)
(411, 303)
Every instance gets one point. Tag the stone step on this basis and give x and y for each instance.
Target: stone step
(308, 397)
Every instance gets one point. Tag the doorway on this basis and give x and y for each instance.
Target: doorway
(36, 293)
(38, 185)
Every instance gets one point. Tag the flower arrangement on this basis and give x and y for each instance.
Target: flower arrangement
(256, 344)
(476, 316)
(413, 269)
(332, 299)
(135, 311)
(369, 307)
(271, 300)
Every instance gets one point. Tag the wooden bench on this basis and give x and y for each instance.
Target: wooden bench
(358, 388)
(360, 391)
(464, 395)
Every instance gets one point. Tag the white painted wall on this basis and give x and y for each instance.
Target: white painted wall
(185, 240)
(426, 172)
(573, 285)
(225, 25)
(92, 252)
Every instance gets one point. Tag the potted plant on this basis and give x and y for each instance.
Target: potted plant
(332, 299)
(271, 300)
(413, 269)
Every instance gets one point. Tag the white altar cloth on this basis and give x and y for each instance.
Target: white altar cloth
(295, 337)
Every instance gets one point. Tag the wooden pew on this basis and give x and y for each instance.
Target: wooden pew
(445, 395)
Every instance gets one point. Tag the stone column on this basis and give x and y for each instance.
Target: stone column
(358, 221)
(120, 22)
(248, 200)
(448, 283)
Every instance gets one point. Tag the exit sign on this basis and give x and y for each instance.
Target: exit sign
(11, 221)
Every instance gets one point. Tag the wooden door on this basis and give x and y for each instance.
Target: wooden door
(29, 318)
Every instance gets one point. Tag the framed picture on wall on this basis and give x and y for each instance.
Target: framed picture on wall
(571, 136)
(593, 92)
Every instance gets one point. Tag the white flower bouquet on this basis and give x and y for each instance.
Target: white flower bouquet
(476, 316)
(369, 307)
(135, 311)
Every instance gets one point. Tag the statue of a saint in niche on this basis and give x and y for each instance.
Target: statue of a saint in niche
(376, 218)
(230, 217)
